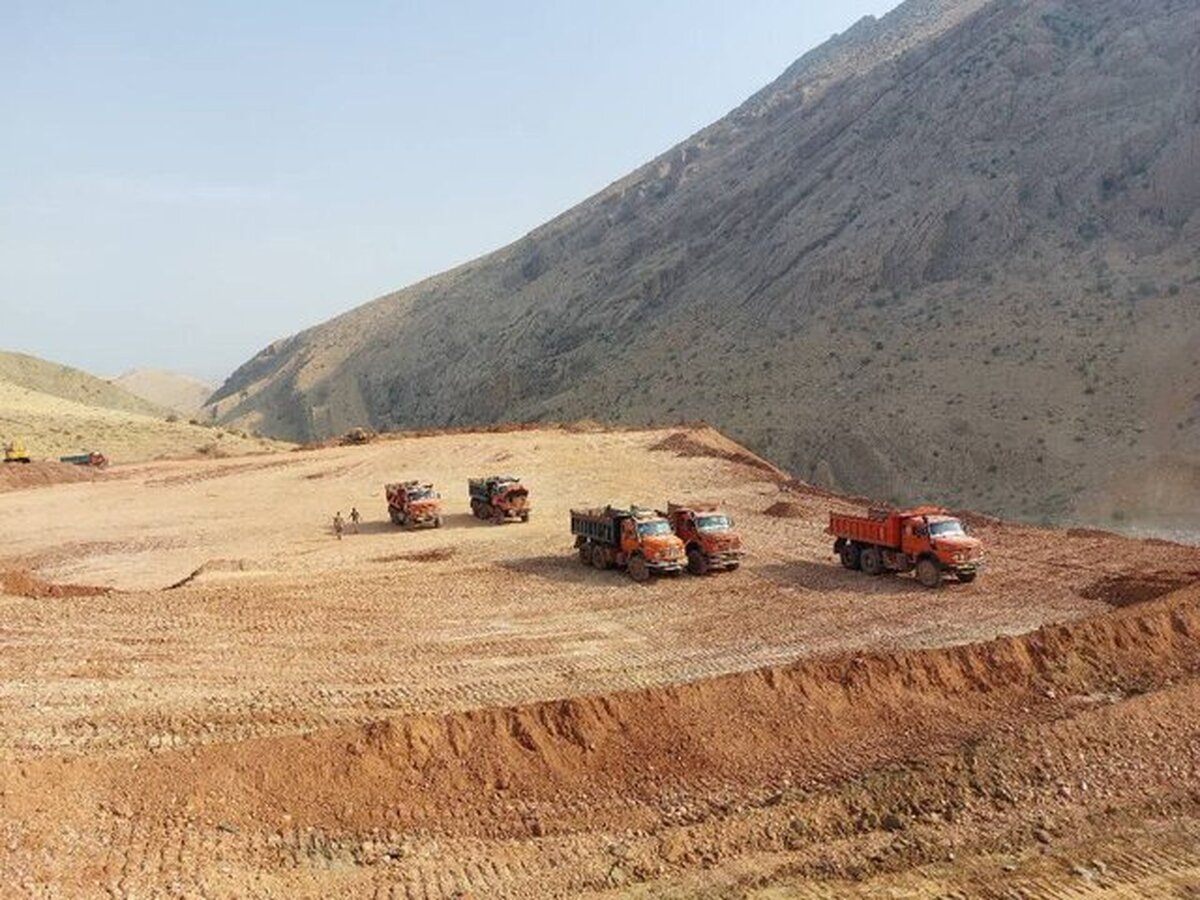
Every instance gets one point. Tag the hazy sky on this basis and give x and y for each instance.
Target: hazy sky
(181, 183)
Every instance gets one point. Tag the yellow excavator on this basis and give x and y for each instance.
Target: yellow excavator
(14, 452)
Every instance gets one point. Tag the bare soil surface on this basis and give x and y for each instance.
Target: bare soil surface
(204, 693)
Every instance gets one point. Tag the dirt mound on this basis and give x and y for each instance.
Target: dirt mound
(785, 509)
(437, 554)
(1128, 590)
(19, 476)
(712, 444)
(488, 772)
(216, 566)
(1090, 533)
(23, 583)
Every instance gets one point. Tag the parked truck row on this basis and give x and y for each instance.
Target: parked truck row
(645, 542)
(700, 536)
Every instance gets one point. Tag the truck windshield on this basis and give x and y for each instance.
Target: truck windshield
(420, 495)
(648, 528)
(945, 529)
(713, 523)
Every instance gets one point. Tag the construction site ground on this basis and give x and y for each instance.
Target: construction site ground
(203, 692)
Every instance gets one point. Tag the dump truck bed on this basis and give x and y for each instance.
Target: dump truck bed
(881, 531)
(596, 524)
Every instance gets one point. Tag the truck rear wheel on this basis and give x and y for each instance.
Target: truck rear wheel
(850, 554)
(871, 561)
(929, 573)
(638, 570)
(599, 557)
(585, 554)
(697, 562)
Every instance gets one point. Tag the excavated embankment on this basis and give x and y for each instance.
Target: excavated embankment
(612, 760)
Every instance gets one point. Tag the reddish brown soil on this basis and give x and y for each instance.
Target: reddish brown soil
(22, 583)
(468, 712)
(785, 509)
(685, 444)
(17, 476)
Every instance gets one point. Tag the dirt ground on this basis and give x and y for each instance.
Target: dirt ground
(204, 693)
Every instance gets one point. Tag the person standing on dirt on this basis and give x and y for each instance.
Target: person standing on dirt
(354, 519)
(339, 524)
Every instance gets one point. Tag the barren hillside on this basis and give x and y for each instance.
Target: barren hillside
(51, 426)
(169, 390)
(205, 693)
(950, 254)
(74, 385)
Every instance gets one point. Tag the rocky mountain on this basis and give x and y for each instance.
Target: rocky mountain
(951, 254)
(181, 393)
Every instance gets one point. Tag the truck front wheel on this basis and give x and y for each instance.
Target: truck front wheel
(966, 577)
(929, 573)
(697, 562)
(871, 561)
(638, 570)
(850, 554)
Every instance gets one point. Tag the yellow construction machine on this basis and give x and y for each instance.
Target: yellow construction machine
(14, 452)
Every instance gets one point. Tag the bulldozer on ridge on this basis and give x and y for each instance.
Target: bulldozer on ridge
(15, 452)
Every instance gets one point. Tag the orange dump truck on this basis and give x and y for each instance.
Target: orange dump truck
(927, 539)
(636, 539)
(499, 498)
(708, 536)
(414, 505)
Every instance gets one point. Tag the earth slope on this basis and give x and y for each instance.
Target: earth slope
(950, 254)
(166, 389)
(55, 410)
(74, 385)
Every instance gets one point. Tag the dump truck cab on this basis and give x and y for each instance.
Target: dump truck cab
(942, 536)
(499, 499)
(637, 539)
(414, 504)
(708, 535)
